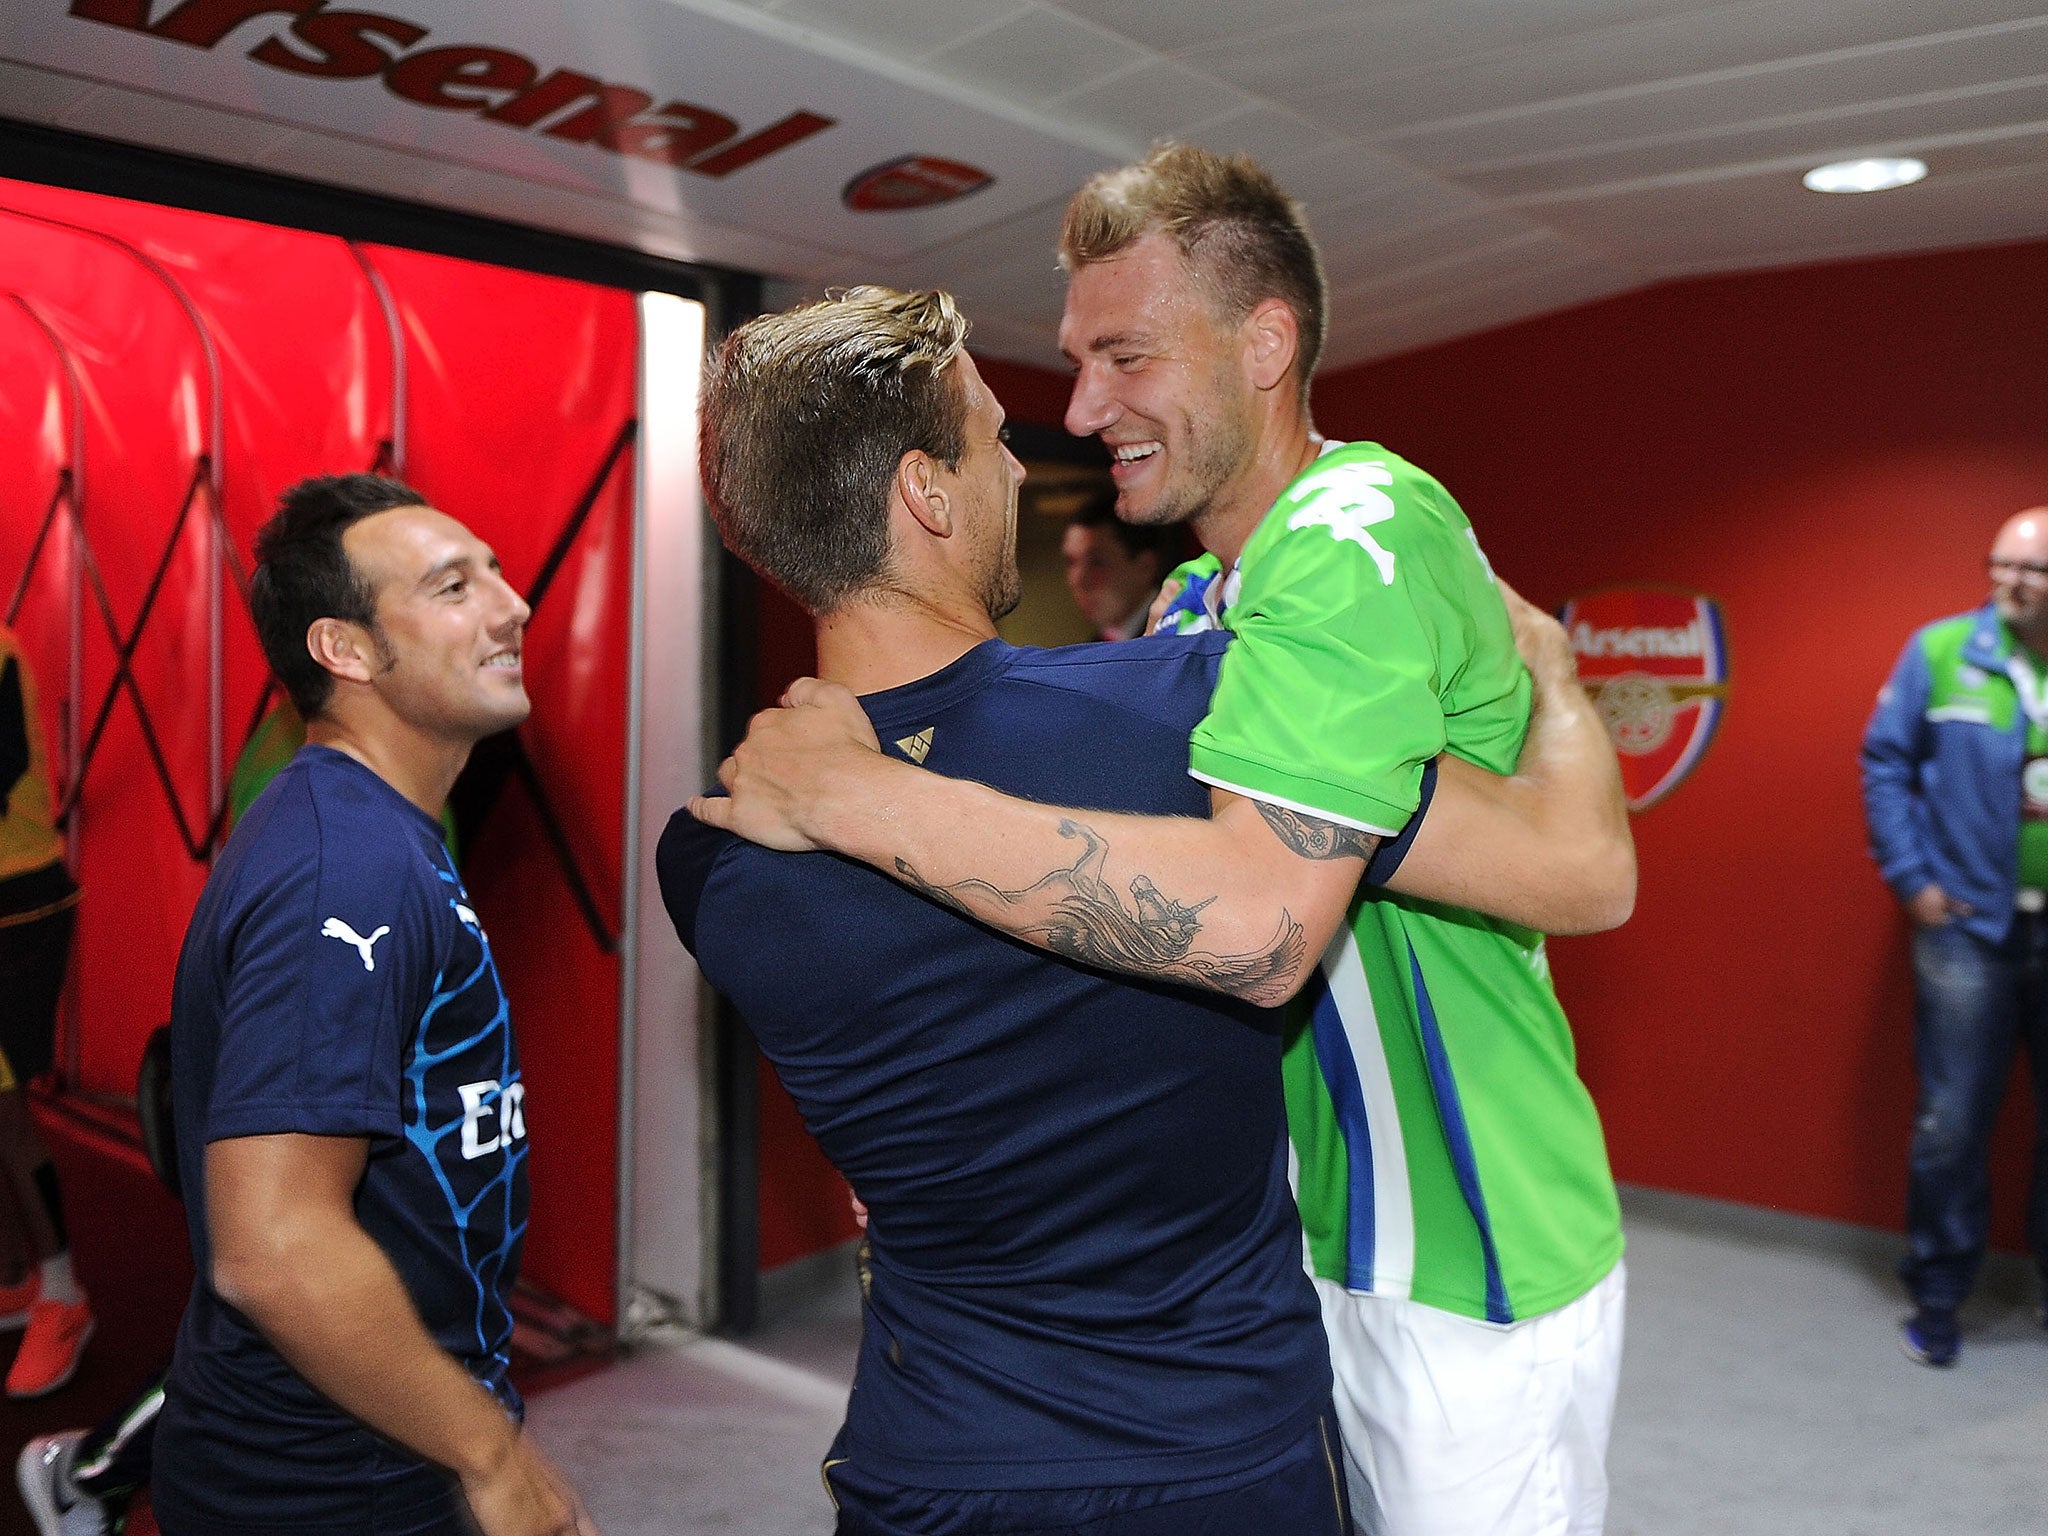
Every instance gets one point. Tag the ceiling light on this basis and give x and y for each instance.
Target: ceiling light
(1865, 175)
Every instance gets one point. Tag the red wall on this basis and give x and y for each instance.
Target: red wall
(122, 326)
(1827, 451)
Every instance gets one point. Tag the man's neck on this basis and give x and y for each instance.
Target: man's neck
(421, 767)
(888, 639)
(1288, 444)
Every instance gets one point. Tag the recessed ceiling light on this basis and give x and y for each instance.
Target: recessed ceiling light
(1865, 175)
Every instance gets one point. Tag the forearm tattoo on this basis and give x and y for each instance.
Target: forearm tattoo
(1076, 913)
(1314, 838)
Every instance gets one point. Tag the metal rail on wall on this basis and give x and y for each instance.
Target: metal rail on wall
(201, 837)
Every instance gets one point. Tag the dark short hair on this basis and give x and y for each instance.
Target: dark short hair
(1163, 540)
(303, 574)
(806, 415)
(1245, 238)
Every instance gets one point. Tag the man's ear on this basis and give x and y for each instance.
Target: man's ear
(344, 649)
(1271, 340)
(923, 495)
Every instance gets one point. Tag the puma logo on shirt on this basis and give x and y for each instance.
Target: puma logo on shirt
(335, 928)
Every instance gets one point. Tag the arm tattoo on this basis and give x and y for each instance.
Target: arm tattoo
(1076, 913)
(1314, 838)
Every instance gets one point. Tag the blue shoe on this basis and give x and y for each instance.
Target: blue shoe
(1930, 1336)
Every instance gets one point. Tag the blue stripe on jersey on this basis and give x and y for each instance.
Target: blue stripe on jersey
(1458, 1142)
(1189, 600)
(484, 1269)
(1340, 1076)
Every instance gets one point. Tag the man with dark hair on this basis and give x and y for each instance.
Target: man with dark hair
(1085, 1304)
(1114, 568)
(1462, 1222)
(352, 1126)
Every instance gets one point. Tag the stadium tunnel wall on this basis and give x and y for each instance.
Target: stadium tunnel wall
(1827, 451)
(166, 374)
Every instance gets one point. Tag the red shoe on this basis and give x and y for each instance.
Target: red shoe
(16, 1299)
(50, 1350)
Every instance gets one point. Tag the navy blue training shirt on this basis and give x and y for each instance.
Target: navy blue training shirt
(335, 981)
(1084, 1265)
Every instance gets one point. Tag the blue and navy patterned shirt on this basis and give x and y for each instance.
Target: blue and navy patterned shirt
(335, 981)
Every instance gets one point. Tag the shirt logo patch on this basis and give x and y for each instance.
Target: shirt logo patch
(917, 747)
(335, 928)
(1349, 502)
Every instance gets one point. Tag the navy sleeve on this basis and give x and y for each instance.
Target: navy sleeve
(329, 968)
(683, 861)
(1387, 857)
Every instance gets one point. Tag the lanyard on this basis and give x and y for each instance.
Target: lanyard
(2032, 689)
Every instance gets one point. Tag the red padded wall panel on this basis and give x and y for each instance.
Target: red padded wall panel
(519, 389)
(38, 426)
(305, 353)
(517, 413)
(145, 389)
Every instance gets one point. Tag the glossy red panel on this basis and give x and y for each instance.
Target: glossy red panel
(241, 358)
(144, 389)
(520, 391)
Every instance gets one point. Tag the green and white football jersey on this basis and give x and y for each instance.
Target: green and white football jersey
(1448, 1152)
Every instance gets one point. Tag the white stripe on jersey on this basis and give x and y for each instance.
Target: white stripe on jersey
(1393, 1204)
(1317, 811)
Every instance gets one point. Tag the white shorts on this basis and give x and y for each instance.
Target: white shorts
(1454, 1427)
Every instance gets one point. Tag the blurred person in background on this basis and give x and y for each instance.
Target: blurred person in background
(1114, 568)
(1955, 791)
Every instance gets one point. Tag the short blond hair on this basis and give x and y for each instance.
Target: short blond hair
(805, 416)
(1245, 237)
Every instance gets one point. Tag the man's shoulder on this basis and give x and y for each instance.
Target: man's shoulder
(683, 860)
(1143, 674)
(319, 825)
(1951, 632)
(1349, 468)
(1351, 502)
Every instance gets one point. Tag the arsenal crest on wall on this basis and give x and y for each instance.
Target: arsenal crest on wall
(1655, 661)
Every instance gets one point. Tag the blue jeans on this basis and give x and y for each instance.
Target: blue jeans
(1975, 1003)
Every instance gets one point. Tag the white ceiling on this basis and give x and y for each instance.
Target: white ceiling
(1464, 162)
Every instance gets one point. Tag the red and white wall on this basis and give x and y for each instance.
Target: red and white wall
(163, 376)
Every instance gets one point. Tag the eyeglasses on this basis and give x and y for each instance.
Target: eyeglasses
(2013, 570)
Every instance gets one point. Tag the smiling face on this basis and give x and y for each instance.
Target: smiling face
(448, 627)
(1159, 378)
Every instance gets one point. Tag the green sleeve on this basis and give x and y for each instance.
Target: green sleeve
(1364, 605)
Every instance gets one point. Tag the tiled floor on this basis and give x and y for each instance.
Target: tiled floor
(1763, 1394)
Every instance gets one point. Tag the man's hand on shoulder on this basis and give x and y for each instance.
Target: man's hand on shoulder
(1169, 589)
(798, 764)
(521, 1494)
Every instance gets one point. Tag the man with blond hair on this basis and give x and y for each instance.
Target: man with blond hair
(1085, 1304)
(1461, 1220)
